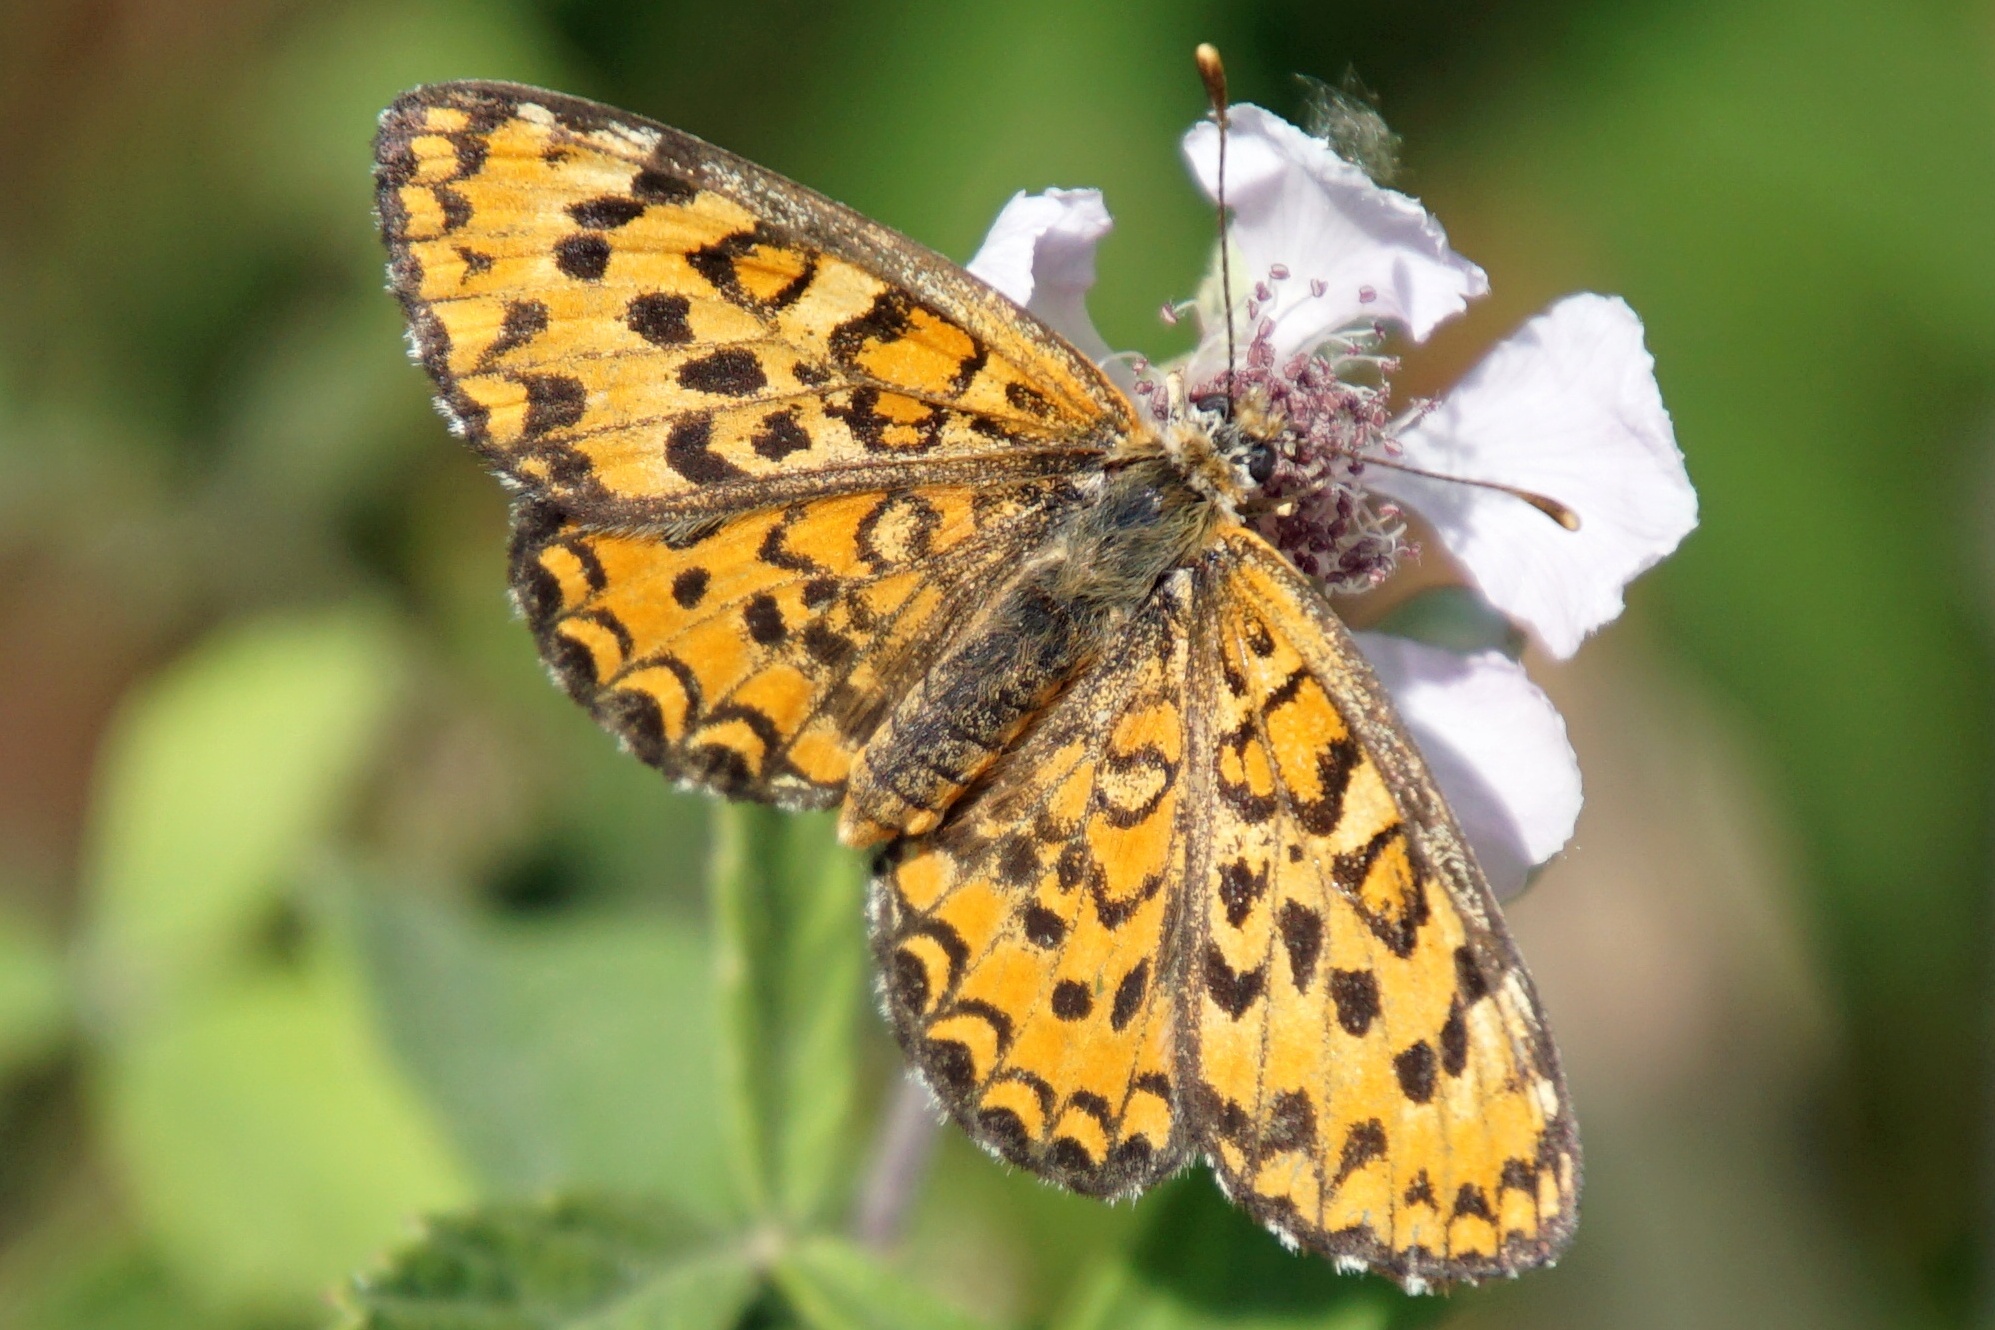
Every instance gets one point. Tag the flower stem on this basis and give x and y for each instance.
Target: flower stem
(902, 1152)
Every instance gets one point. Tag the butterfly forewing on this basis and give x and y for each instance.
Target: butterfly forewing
(636, 323)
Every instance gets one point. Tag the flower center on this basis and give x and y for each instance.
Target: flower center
(1296, 436)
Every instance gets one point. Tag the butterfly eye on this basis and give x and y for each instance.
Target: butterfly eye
(1260, 463)
(1213, 404)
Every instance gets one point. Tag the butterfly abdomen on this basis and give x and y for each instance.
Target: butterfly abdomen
(1058, 614)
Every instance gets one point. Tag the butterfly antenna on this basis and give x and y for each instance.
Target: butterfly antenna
(1213, 73)
(1551, 508)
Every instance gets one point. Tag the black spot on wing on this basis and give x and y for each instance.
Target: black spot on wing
(886, 320)
(1363, 1143)
(1291, 1123)
(729, 372)
(1018, 860)
(1469, 979)
(585, 257)
(634, 715)
(686, 452)
(1356, 994)
(719, 264)
(1071, 1000)
(606, 213)
(553, 401)
(1027, 399)
(1042, 926)
(1454, 1040)
(1301, 931)
(660, 318)
(689, 588)
(1233, 990)
(524, 320)
(456, 208)
(1472, 1200)
(827, 646)
(1005, 1132)
(764, 620)
(779, 435)
(1415, 1070)
(1129, 995)
(1334, 764)
(1241, 886)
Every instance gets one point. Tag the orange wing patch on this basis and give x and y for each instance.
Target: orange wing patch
(632, 321)
(1026, 943)
(752, 656)
(1374, 1079)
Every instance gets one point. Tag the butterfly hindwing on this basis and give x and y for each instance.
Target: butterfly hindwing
(635, 323)
(1025, 944)
(1213, 901)
(752, 655)
(1373, 1077)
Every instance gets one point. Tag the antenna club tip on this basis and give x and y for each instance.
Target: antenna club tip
(1553, 509)
(1212, 71)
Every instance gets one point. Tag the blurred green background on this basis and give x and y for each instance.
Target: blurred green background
(320, 910)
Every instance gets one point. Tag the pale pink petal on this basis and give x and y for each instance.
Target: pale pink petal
(1566, 407)
(1373, 253)
(1040, 252)
(1497, 748)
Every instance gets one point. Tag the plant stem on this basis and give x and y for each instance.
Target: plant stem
(909, 1130)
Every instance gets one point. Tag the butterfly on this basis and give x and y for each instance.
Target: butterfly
(807, 514)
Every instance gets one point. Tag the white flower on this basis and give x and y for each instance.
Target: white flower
(1040, 252)
(1354, 252)
(1496, 746)
(1567, 408)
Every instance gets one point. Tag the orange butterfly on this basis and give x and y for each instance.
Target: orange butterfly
(808, 514)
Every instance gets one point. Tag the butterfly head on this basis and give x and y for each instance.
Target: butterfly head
(1283, 447)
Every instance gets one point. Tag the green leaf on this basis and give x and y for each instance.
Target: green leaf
(34, 1000)
(574, 1263)
(790, 956)
(1203, 1265)
(219, 777)
(561, 1053)
(96, 1281)
(265, 1137)
(832, 1285)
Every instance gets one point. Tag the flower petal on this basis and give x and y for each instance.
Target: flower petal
(1373, 253)
(1040, 252)
(1497, 748)
(1566, 407)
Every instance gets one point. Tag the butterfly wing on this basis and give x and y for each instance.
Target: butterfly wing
(754, 654)
(1213, 902)
(765, 445)
(638, 325)
(1371, 1074)
(1025, 943)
